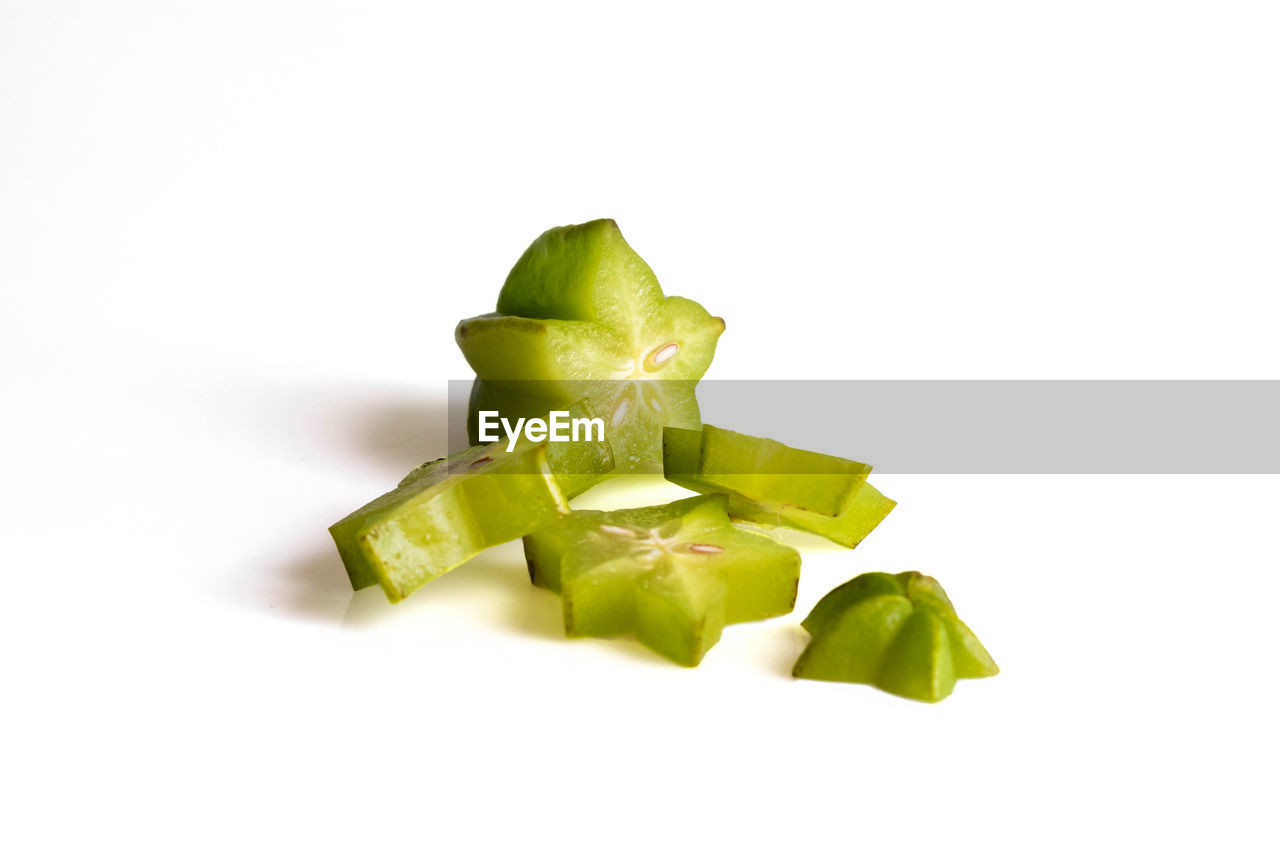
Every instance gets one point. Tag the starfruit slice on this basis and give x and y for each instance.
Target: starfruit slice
(672, 575)
(770, 483)
(447, 511)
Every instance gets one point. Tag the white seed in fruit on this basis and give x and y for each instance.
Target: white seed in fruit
(620, 413)
(699, 548)
(663, 354)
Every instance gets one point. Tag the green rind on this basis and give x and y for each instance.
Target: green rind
(554, 276)
(544, 549)
(853, 524)
(869, 627)
(899, 633)
(769, 483)
(918, 663)
(849, 593)
(579, 272)
(501, 346)
(681, 453)
(444, 513)
(971, 658)
(764, 470)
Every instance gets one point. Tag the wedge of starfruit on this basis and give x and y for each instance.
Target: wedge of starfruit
(899, 633)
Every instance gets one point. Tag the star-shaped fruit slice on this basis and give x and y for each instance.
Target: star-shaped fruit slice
(772, 484)
(582, 315)
(672, 575)
(447, 511)
(899, 633)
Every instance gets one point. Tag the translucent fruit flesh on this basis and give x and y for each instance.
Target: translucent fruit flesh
(582, 314)
(770, 483)
(445, 512)
(899, 633)
(672, 575)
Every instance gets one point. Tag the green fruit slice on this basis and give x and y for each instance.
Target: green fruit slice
(675, 340)
(773, 484)
(897, 632)
(672, 575)
(444, 513)
(582, 315)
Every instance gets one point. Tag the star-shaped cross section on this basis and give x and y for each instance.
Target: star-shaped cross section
(582, 317)
(672, 575)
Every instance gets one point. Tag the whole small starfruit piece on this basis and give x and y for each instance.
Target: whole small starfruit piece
(581, 315)
(899, 633)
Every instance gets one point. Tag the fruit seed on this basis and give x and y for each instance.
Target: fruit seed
(663, 354)
(699, 548)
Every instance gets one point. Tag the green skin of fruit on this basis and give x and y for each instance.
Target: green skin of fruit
(581, 314)
(899, 633)
(672, 575)
(444, 513)
(772, 484)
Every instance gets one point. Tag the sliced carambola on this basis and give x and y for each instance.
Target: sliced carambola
(897, 632)
(771, 483)
(673, 575)
(582, 313)
(674, 339)
(444, 513)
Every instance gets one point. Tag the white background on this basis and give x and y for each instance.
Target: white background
(234, 242)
